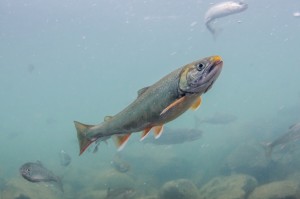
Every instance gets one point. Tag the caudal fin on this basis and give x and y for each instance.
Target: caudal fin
(84, 142)
(268, 148)
(213, 30)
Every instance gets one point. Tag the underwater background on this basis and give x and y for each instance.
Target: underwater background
(65, 60)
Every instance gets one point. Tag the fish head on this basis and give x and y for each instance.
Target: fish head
(199, 76)
(26, 171)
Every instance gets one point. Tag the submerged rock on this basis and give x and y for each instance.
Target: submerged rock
(17, 188)
(247, 157)
(149, 197)
(294, 177)
(286, 189)
(3, 183)
(111, 179)
(120, 193)
(22, 197)
(91, 194)
(179, 189)
(231, 187)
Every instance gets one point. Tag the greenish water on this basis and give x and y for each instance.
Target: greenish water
(62, 61)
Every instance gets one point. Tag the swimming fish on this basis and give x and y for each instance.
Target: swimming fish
(176, 136)
(65, 159)
(293, 134)
(221, 10)
(119, 164)
(36, 172)
(155, 105)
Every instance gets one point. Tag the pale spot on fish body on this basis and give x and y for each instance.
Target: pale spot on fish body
(296, 14)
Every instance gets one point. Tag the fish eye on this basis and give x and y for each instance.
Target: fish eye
(200, 66)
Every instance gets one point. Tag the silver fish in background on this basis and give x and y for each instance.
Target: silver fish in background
(292, 135)
(120, 193)
(119, 164)
(65, 159)
(36, 172)
(222, 10)
(175, 136)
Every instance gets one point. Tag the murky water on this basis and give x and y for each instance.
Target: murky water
(62, 61)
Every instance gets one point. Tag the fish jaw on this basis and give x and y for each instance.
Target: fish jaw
(199, 76)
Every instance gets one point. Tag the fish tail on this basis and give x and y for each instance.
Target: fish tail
(268, 148)
(84, 141)
(215, 32)
(210, 28)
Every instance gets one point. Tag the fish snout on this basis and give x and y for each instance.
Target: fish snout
(216, 60)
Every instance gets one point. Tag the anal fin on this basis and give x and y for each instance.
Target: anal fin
(121, 140)
(145, 133)
(196, 104)
(158, 131)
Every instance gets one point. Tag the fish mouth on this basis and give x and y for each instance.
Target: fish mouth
(199, 80)
(215, 68)
(217, 62)
(22, 171)
(23, 174)
(213, 72)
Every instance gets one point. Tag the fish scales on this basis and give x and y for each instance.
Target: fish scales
(144, 110)
(156, 105)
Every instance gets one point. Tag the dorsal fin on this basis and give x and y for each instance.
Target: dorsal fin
(142, 90)
(39, 163)
(107, 118)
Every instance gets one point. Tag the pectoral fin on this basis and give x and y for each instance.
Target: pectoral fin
(121, 140)
(145, 133)
(158, 131)
(175, 103)
(196, 104)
